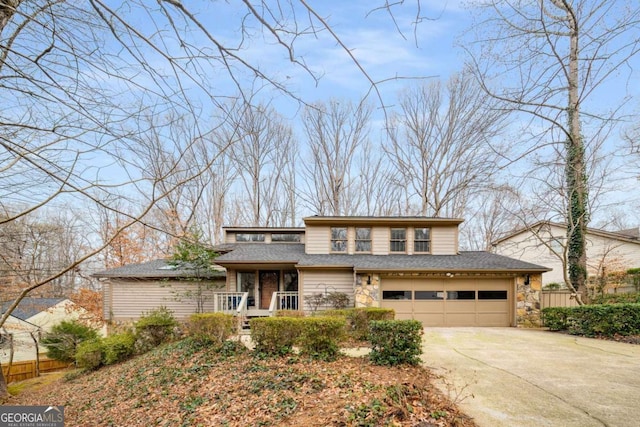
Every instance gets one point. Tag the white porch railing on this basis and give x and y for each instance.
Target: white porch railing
(231, 303)
(283, 301)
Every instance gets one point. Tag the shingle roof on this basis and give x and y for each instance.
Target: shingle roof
(630, 235)
(29, 307)
(464, 261)
(156, 269)
(263, 253)
(294, 254)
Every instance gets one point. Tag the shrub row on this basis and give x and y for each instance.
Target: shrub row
(594, 320)
(394, 342)
(152, 329)
(318, 337)
(359, 319)
(211, 328)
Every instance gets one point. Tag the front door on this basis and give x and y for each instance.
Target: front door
(268, 285)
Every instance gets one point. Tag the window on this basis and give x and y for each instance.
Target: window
(250, 237)
(338, 239)
(247, 283)
(290, 279)
(492, 294)
(398, 240)
(397, 295)
(363, 240)
(422, 240)
(468, 295)
(556, 245)
(285, 237)
(429, 295)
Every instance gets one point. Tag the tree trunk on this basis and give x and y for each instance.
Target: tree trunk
(577, 215)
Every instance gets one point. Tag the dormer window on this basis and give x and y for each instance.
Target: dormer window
(285, 237)
(422, 240)
(363, 239)
(250, 237)
(398, 241)
(338, 239)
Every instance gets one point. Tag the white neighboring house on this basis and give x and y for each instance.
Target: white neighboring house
(34, 316)
(544, 243)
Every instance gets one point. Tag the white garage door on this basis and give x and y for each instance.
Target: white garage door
(450, 302)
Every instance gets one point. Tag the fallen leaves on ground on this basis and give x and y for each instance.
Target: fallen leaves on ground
(187, 384)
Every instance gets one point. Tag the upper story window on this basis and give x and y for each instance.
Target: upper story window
(338, 239)
(250, 237)
(556, 245)
(285, 237)
(398, 240)
(422, 240)
(363, 239)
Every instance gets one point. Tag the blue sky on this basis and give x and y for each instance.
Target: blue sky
(392, 51)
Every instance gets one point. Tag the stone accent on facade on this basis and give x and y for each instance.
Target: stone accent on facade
(367, 292)
(528, 301)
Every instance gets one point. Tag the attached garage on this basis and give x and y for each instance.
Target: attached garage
(451, 301)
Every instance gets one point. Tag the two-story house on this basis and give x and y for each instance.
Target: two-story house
(410, 264)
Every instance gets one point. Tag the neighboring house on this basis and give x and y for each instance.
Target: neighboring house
(32, 318)
(133, 290)
(544, 242)
(410, 264)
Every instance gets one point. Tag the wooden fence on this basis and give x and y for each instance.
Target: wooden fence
(26, 369)
(557, 299)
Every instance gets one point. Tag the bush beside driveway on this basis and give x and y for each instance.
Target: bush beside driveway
(521, 377)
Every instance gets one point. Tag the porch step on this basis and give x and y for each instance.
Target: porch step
(244, 327)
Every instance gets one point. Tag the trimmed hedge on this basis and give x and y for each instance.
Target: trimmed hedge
(556, 318)
(594, 320)
(290, 313)
(321, 336)
(118, 347)
(154, 328)
(396, 342)
(90, 354)
(358, 319)
(318, 337)
(275, 335)
(211, 328)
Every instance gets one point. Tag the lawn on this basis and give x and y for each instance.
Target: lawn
(183, 383)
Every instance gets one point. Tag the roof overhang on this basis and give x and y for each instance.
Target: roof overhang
(381, 220)
(265, 229)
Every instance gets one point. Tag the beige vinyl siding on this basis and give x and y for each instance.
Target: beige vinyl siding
(106, 301)
(380, 237)
(444, 240)
(326, 281)
(317, 239)
(230, 237)
(351, 237)
(615, 254)
(232, 280)
(130, 299)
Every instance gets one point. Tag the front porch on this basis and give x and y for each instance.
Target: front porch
(240, 304)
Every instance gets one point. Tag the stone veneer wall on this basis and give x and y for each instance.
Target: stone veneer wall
(367, 295)
(528, 301)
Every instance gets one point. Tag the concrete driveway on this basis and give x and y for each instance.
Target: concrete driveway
(519, 377)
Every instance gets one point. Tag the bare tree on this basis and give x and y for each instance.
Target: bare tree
(79, 81)
(440, 145)
(336, 132)
(379, 190)
(494, 213)
(550, 56)
(261, 149)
